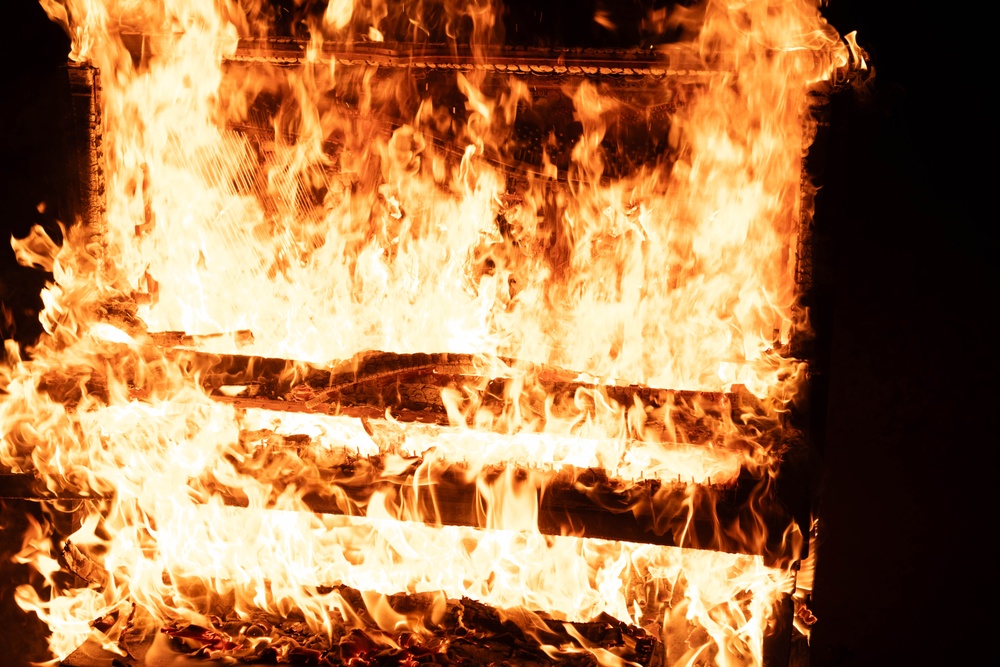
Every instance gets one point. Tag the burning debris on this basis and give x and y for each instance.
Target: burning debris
(427, 630)
(562, 285)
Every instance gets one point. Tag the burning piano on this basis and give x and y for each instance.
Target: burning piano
(439, 332)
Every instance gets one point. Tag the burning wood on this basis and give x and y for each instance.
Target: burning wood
(179, 338)
(465, 632)
(373, 629)
(410, 629)
(434, 472)
(402, 181)
(453, 389)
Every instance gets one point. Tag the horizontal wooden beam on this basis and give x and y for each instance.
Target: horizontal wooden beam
(676, 61)
(743, 517)
(410, 386)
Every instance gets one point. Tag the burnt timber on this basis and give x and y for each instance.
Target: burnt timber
(723, 516)
(465, 632)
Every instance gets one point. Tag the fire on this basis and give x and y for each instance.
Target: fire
(332, 204)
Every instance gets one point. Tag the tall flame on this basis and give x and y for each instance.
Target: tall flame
(373, 213)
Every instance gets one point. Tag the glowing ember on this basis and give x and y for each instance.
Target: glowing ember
(321, 205)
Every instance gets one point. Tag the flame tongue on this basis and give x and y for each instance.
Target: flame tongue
(328, 205)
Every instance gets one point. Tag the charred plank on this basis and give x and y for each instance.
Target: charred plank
(446, 632)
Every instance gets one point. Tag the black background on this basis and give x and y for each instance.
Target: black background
(906, 571)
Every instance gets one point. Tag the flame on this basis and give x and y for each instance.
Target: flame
(363, 214)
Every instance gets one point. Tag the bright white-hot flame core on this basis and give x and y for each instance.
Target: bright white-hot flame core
(332, 207)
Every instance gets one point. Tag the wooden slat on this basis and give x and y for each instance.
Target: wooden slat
(581, 502)
(410, 387)
(674, 61)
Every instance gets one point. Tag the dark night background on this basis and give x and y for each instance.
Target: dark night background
(905, 293)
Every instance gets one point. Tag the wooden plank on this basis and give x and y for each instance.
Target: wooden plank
(678, 61)
(744, 517)
(739, 518)
(410, 386)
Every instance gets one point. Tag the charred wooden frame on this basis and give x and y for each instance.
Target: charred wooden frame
(410, 385)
